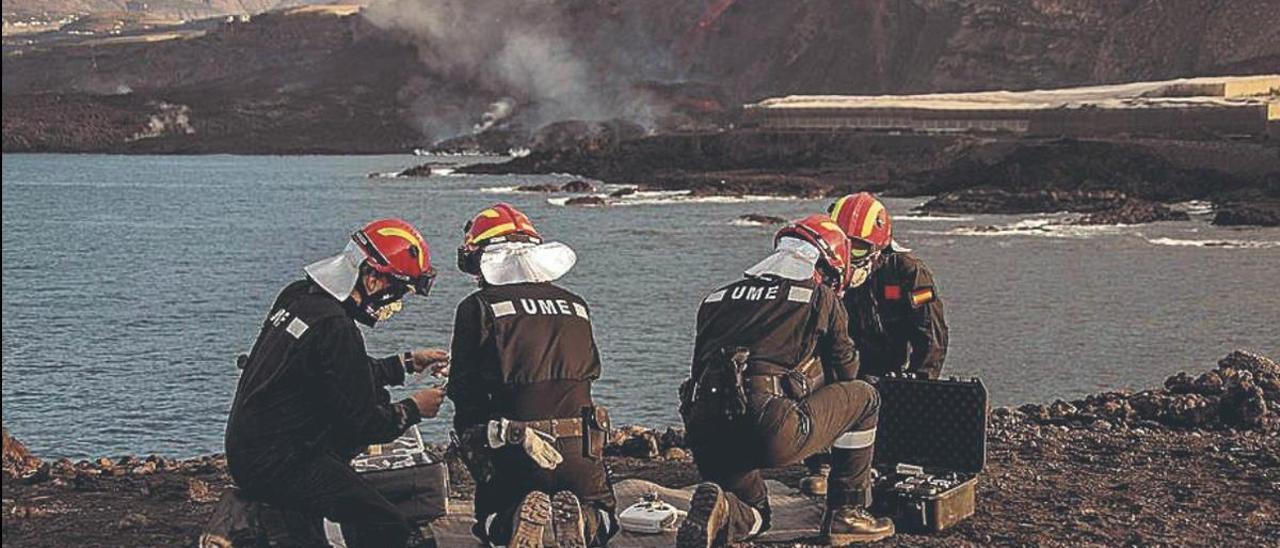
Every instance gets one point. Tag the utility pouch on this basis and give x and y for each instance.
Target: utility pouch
(719, 393)
(798, 383)
(472, 446)
(595, 431)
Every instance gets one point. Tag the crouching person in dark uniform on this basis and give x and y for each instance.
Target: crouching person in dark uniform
(523, 361)
(895, 312)
(310, 397)
(757, 397)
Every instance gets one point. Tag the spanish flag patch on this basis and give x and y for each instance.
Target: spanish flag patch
(922, 296)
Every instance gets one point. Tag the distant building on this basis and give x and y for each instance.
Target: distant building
(1230, 106)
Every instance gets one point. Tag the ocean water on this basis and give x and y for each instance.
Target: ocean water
(130, 284)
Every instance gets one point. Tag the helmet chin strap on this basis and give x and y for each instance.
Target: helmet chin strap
(378, 306)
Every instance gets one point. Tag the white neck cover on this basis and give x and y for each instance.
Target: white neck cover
(523, 262)
(792, 259)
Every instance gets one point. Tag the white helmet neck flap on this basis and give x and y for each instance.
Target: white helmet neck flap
(525, 262)
(792, 259)
(337, 275)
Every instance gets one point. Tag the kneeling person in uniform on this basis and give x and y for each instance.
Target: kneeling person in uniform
(310, 398)
(896, 315)
(757, 396)
(523, 361)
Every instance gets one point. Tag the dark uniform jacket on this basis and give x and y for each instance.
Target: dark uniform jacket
(525, 352)
(896, 318)
(522, 352)
(782, 322)
(309, 386)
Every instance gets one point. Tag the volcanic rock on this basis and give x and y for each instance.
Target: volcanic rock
(1242, 392)
(578, 186)
(623, 192)
(538, 188)
(1264, 213)
(756, 218)
(587, 201)
(18, 461)
(1103, 206)
(1132, 212)
(420, 170)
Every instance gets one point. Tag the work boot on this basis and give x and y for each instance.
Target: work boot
(530, 520)
(815, 484)
(707, 519)
(566, 516)
(854, 524)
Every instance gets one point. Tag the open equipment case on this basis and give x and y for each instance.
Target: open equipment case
(407, 475)
(931, 445)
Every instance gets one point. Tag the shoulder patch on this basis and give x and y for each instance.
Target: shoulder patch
(581, 311)
(715, 297)
(892, 292)
(504, 308)
(800, 294)
(922, 296)
(297, 327)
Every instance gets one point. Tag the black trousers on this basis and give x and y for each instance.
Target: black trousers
(779, 431)
(325, 486)
(516, 475)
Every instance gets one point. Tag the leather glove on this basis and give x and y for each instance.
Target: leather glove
(536, 444)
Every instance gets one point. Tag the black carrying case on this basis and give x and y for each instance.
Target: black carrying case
(931, 445)
(408, 476)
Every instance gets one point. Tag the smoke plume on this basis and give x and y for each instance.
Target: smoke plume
(521, 62)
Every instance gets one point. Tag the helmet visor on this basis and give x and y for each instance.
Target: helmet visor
(860, 250)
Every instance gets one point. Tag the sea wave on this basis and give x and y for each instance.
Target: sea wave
(499, 190)
(932, 218)
(1216, 244)
(747, 223)
(1042, 227)
(670, 197)
(1194, 207)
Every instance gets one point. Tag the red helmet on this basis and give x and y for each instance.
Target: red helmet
(824, 234)
(865, 220)
(395, 248)
(499, 223)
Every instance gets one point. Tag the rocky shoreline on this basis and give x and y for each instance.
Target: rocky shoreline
(1196, 462)
(1110, 181)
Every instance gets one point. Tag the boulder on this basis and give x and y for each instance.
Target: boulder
(578, 186)
(760, 219)
(587, 201)
(623, 192)
(1260, 213)
(538, 188)
(18, 460)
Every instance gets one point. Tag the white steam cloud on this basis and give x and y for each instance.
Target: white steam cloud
(500, 60)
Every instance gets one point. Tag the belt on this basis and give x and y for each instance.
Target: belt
(763, 384)
(558, 428)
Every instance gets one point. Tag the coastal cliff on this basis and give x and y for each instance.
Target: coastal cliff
(1195, 462)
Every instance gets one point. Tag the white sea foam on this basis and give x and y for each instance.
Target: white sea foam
(1043, 227)
(1215, 244)
(673, 197)
(747, 223)
(1194, 207)
(499, 190)
(384, 175)
(931, 218)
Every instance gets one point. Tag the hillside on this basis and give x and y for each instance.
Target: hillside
(433, 69)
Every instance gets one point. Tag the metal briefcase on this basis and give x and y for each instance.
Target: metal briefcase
(931, 445)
